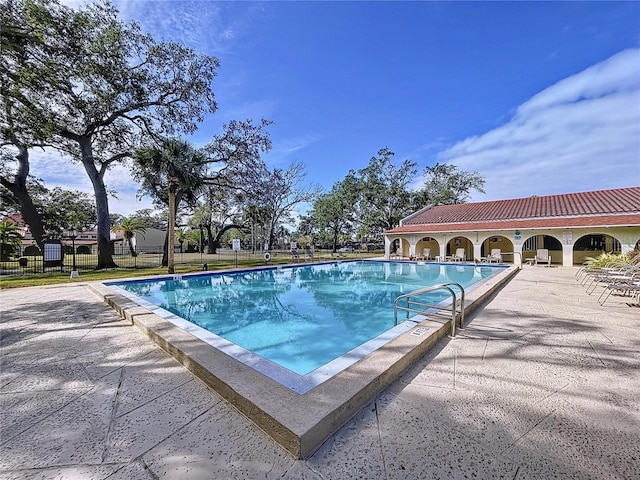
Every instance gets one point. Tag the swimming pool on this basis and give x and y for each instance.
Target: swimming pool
(303, 414)
(298, 324)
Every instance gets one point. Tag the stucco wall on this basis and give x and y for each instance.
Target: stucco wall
(512, 241)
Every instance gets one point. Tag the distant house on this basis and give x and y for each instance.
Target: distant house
(86, 242)
(152, 240)
(571, 226)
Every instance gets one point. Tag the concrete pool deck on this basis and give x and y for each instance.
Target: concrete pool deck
(542, 383)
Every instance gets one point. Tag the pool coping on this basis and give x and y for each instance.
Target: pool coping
(300, 423)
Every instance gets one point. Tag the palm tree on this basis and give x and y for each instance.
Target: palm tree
(176, 169)
(9, 236)
(129, 226)
(182, 235)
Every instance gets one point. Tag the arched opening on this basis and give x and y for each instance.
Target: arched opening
(394, 247)
(32, 251)
(399, 248)
(83, 250)
(532, 244)
(497, 244)
(593, 245)
(457, 243)
(427, 248)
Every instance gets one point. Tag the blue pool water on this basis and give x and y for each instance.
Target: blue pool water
(300, 317)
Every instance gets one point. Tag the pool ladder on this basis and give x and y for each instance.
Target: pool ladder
(411, 304)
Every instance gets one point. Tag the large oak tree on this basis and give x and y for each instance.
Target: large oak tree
(94, 87)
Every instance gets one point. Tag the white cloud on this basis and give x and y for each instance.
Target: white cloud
(291, 145)
(583, 133)
(617, 74)
(206, 26)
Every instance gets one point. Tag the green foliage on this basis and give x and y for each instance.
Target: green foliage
(66, 208)
(607, 260)
(445, 184)
(94, 87)
(385, 196)
(175, 166)
(182, 235)
(172, 171)
(129, 226)
(58, 208)
(10, 235)
(256, 220)
(375, 198)
(9, 203)
(334, 213)
(148, 218)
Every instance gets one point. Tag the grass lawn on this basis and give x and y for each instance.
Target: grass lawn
(51, 278)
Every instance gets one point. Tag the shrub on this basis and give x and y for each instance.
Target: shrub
(607, 260)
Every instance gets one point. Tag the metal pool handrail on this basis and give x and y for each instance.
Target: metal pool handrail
(443, 286)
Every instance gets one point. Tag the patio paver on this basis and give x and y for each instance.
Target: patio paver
(543, 383)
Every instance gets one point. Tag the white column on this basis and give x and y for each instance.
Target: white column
(567, 255)
(443, 247)
(412, 246)
(477, 251)
(387, 247)
(517, 259)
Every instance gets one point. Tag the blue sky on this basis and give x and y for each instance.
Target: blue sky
(538, 97)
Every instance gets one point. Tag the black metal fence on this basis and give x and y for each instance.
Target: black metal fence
(147, 257)
(83, 261)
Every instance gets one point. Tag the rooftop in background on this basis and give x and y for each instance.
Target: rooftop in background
(618, 207)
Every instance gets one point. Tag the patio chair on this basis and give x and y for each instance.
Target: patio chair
(308, 254)
(295, 256)
(459, 256)
(587, 270)
(630, 287)
(542, 256)
(624, 274)
(495, 256)
(426, 254)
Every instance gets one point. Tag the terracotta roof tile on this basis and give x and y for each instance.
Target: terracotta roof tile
(583, 204)
(605, 208)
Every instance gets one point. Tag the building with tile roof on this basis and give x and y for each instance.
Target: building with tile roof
(86, 242)
(571, 226)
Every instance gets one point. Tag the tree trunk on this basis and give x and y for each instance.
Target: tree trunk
(335, 240)
(272, 233)
(165, 249)
(171, 231)
(212, 244)
(19, 189)
(253, 239)
(105, 256)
